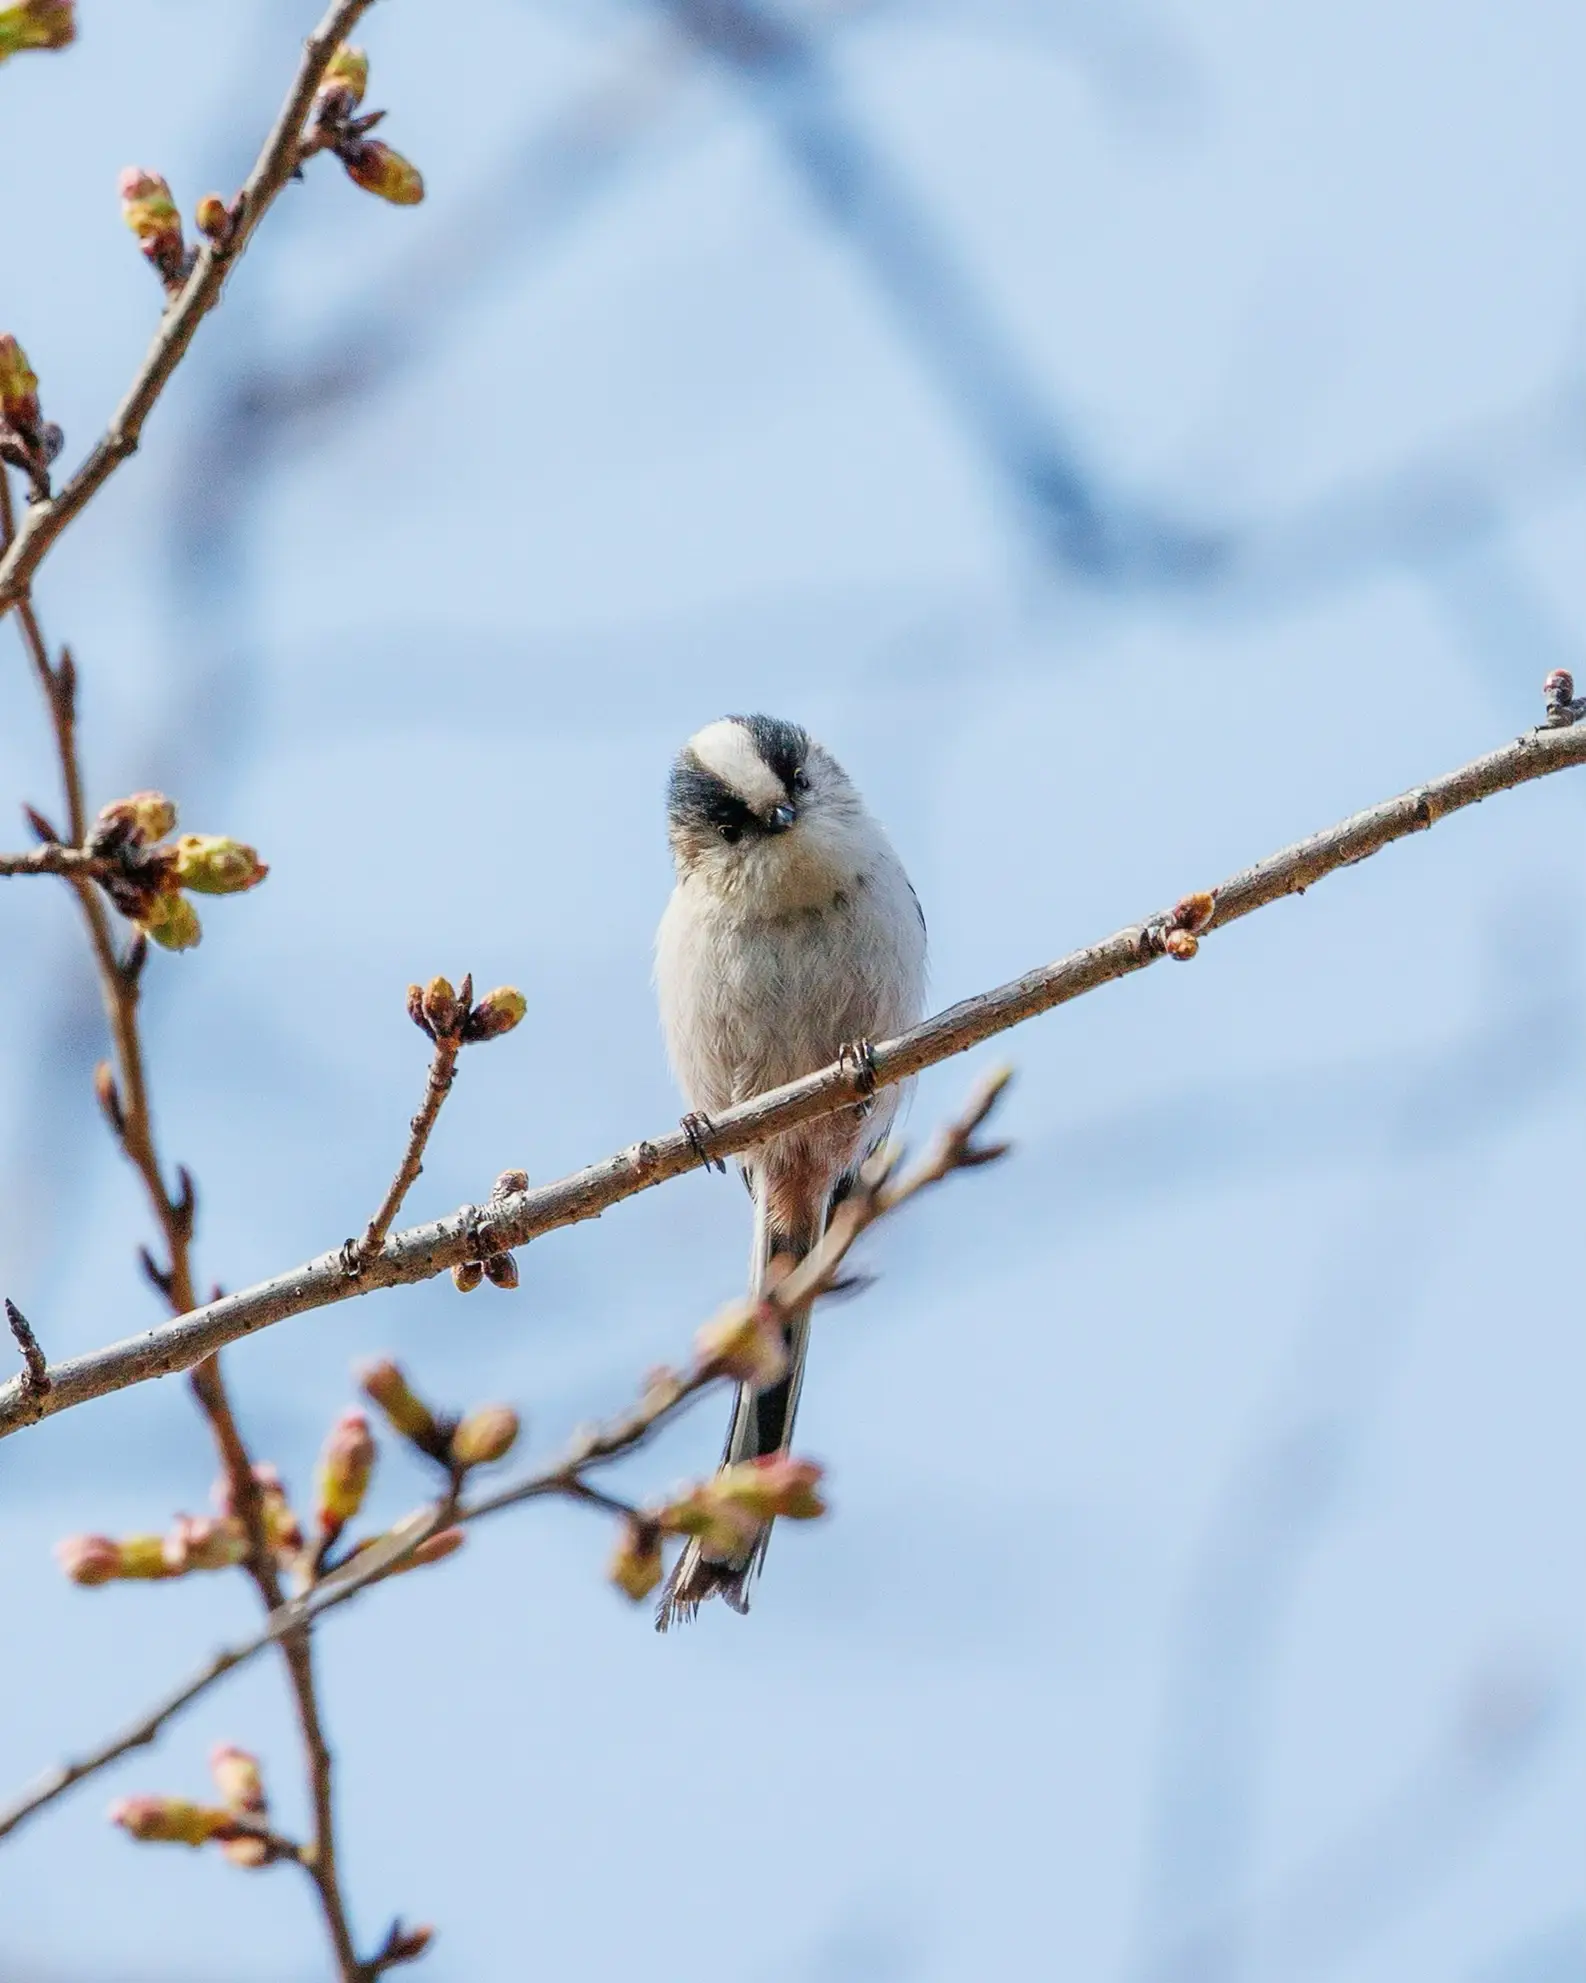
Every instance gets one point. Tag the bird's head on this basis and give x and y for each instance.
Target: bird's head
(756, 806)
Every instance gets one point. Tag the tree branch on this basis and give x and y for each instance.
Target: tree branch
(198, 295)
(72, 862)
(878, 1194)
(422, 1252)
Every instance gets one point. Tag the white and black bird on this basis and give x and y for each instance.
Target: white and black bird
(792, 935)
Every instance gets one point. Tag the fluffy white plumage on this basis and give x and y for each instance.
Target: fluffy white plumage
(791, 934)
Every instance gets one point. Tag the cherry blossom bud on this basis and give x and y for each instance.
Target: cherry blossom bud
(775, 1485)
(168, 1820)
(484, 1436)
(143, 1557)
(635, 1566)
(745, 1341)
(383, 172)
(348, 71)
(37, 24)
(109, 1098)
(215, 866)
(212, 217)
(151, 213)
(281, 1525)
(19, 387)
(237, 1778)
(1180, 944)
(172, 921)
(1195, 912)
(440, 1006)
(406, 1944)
(384, 1384)
(345, 1465)
(701, 1512)
(142, 817)
(496, 1013)
(246, 1851)
(467, 1275)
(89, 1559)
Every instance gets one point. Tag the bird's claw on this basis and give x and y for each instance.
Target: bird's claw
(696, 1126)
(858, 1059)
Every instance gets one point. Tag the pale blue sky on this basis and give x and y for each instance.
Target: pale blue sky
(1201, 1602)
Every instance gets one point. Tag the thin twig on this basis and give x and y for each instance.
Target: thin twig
(55, 858)
(198, 295)
(666, 1394)
(443, 1071)
(422, 1252)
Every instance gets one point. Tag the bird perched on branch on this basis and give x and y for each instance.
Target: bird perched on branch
(792, 939)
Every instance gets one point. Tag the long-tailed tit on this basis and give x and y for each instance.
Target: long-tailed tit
(792, 935)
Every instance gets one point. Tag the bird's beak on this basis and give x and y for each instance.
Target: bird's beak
(779, 819)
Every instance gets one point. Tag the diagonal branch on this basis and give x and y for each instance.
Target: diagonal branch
(198, 295)
(422, 1252)
(666, 1394)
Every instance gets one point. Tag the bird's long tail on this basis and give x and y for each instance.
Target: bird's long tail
(762, 1424)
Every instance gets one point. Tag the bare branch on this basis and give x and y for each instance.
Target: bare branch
(72, 862)
(198, 295)
(422, 1252)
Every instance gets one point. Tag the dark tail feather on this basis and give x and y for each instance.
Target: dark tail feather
(762, 1424)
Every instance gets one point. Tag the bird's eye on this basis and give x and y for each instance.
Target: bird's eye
(730, 834)
(801, 780)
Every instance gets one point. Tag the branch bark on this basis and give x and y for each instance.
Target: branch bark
(45, 521)
(422, 1252)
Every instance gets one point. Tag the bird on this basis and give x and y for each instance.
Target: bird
(792, 938)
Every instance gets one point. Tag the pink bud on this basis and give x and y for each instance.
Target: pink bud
(89, 1559)
(237, 1778)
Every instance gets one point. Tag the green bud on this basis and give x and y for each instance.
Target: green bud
(168, 1820)
(37, 24)
(345, 1466)
(210, 865)
(407, 1413)
(496, 1013)
(172, 921)
(19, 386)
(212, 217)
(348, 69)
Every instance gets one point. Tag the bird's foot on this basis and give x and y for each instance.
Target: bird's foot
(858, 1059)
(696, 1126)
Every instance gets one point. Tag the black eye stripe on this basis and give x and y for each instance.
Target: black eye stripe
(697, 797)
